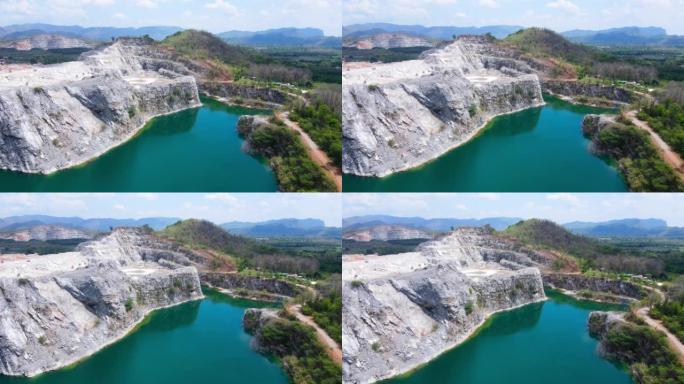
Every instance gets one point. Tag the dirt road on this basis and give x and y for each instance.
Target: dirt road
(316, 154)
(671, 157)
(674, 342)
(331, 346)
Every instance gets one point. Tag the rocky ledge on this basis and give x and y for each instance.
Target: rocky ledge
(399, 115)
(58, 309)
(401, 311)
(57, 116)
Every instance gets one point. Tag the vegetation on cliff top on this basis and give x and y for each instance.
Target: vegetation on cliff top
(671, 311)
(326, 309)
(321, 119)
(301, 354)
(637, 158)
(667, 117)
(646, 352)
(295, 171)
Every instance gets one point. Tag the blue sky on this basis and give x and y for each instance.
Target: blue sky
(211, 15)
(559, 207)
(216, 207)
(560, 15)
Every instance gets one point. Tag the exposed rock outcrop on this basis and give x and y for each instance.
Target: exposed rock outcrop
(254, 320)
(577, 282)
(58, 309)
(400, 115)
(47, 41)
(235, 91)
(599, 324)
(57, 116)
(46, 232)
(573, 88)
(388, 40)
(400, 311)
(234, 281)
(386, 232)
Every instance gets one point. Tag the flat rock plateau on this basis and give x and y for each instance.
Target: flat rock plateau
(400, 115)
(53, 117)
(401, 311)
(58, 309)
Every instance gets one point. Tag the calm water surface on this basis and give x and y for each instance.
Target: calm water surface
(535, 150)
(539, 343)
(196, 342)
(195, 150)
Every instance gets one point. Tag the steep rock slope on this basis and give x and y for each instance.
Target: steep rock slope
(46, 232)
(57, 309)
(400, 311)
(399, 115)
(57, 116)
(386, 232)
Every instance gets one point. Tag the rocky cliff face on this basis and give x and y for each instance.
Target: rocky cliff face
(386, 232)
(54, 117)
(388, 40)
(399, 115)
(57, 309)
(46, 232)
(400, 311)
(232, 281)
(234, 91)
(596, 284)
(47, 41)
(574, 88)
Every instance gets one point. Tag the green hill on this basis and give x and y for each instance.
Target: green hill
(549, 235)
(545, 43)
(205, 46)
(205, 235)
(591, 253)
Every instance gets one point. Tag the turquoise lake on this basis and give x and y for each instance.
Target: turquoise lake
(196, 342)
(540, 343)
(535, 150)
(195, 150)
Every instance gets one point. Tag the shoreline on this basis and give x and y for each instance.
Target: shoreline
(127, 331)
(467, 336)
(96, 155)
(467, 138)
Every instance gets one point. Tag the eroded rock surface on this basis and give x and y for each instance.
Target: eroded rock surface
(57, 309)
(46, 232)
(57, 116)
(400, 115)
(386, 232)
(400, 311)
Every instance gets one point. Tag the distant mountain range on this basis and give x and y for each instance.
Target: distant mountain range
(626, 228)
(282, 37)
(100, 225)
(21, 31)
(612, 228)
(442, 33)
(272, 37)
(283, 228)
(271, 228)
(625, 36)
(358, 222)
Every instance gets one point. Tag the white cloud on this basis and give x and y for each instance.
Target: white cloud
(489, 196)
(119, 207)
(146, 3)
(565, 5)
(148, 196)
(224, 7)
(566, 197)
(489, 3)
